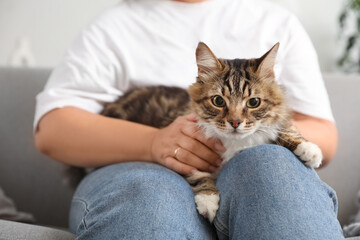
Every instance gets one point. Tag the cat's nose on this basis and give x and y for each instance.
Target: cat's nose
(235, 123)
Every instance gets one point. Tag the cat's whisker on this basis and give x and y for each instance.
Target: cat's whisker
(279, 135)
(275, 140)
(278, 129)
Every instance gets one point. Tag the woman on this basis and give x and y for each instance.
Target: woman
(266, 193)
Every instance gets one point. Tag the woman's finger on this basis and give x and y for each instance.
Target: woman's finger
(192, 117)
(192, 130)
(200, 150)
(178, 166)
(191, 159)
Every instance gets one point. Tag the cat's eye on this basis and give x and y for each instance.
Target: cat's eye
(253, 103)
(218, 101)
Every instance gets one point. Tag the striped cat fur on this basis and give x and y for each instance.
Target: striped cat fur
(237, 101)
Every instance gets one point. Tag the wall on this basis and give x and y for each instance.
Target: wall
(320, 19)
(51, 25)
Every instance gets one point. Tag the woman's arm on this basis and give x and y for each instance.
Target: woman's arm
(319, 131)
(81, 138)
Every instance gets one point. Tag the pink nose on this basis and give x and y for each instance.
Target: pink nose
(235, 123)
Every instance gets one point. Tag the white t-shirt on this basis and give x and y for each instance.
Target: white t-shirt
(153, 42)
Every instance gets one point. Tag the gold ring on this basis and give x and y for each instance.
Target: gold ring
(176, 151)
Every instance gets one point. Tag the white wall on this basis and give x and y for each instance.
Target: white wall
(320, 19)
(51, 25)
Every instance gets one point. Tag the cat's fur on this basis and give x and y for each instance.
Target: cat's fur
(237, 121)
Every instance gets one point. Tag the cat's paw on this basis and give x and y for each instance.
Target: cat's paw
(207, 205)
(309, 153)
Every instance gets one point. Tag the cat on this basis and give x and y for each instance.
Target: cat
(237, 101)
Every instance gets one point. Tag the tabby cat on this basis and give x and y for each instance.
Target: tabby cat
(237, 101)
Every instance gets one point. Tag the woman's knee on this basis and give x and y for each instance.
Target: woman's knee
(137, 198)
(127, 190)
(272, 164)
(135, 180)
(265, 178)
(264, 155)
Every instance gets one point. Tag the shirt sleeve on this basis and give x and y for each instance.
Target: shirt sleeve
(90, 74)
(301, 76)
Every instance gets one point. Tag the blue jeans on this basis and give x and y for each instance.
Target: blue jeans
(266, 193)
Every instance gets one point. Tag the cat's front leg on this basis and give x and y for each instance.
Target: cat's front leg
(206, 194)
(309, 153)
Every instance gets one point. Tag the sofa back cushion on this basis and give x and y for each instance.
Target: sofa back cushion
(31, 179)
(343, 173)
(35, 182)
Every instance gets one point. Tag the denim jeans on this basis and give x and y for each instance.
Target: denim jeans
(265, 191)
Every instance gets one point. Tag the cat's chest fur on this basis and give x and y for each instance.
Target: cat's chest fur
(236, 143)
(234, 146)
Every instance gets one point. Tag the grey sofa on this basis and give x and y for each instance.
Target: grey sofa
(32, 180)
(36, 185)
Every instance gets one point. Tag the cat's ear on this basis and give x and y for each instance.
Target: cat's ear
(206, 60)
(267, 62)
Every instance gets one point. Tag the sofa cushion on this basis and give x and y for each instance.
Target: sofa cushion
(8, 210)
(14, 230)
(32, 180)
(343, 172)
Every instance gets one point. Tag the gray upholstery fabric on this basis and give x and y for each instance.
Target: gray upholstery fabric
(8, 210)
(352, 230)
(32, 180)
(21, 231)
(343, 174)
(35, 182)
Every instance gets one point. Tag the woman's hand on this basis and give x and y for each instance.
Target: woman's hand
(183, 148)
(79, 138)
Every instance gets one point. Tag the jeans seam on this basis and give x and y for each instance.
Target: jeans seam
(332, 195)
(75, 199)
(221, 227)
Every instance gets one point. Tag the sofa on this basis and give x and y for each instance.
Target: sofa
(36, 185)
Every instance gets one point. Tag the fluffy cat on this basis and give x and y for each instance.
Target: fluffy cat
(237, 101)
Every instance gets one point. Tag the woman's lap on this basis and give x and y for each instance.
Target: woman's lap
(265, 192)
(272, 195)
(136, 200)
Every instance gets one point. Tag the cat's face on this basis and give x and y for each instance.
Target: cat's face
(236, 98)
